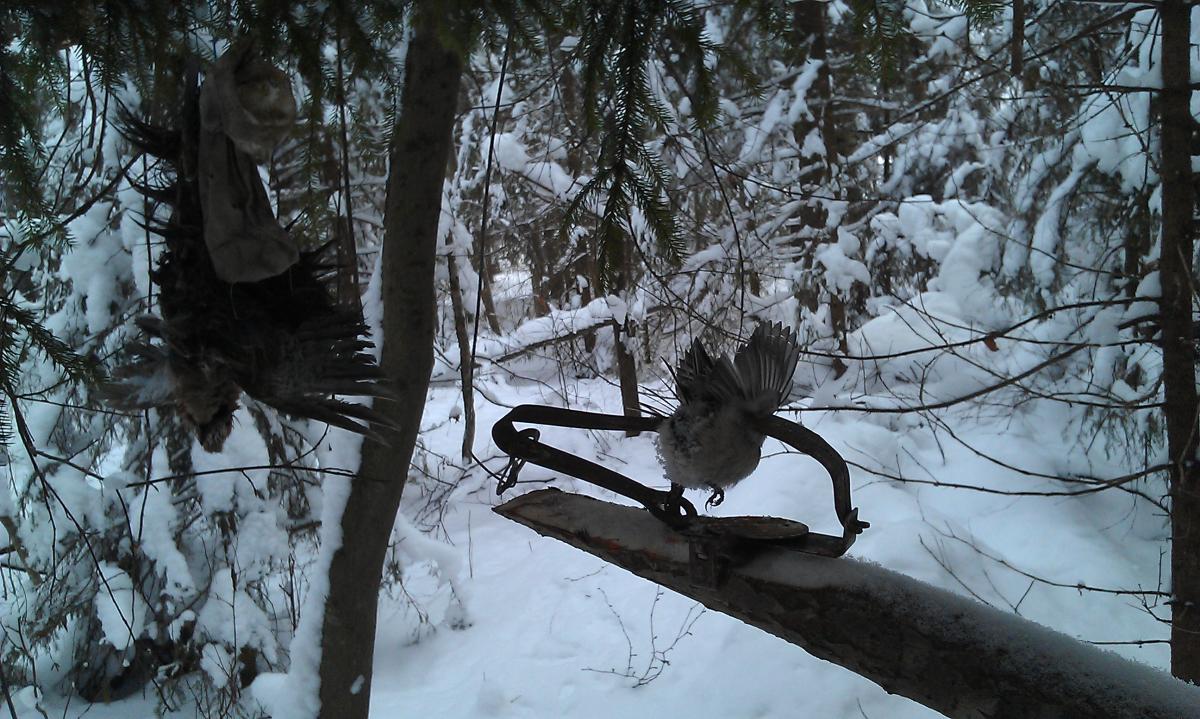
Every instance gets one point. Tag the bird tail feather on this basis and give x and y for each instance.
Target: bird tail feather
(761, 371)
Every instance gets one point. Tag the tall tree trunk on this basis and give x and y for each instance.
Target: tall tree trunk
(1179, 355)
(626, 371)
(1138, 240)
(539, 272)
(1017, 42)
(584, 262)
(485, 269)
(623, 332)
(419, 155)
(348, 292)
(466, 370)
(587, 269)
(809, 43)
(347, 248)
(812, 43)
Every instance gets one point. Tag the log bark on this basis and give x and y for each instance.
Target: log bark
(950, 653)
(419, 156)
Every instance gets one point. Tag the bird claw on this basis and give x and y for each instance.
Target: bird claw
(715, 499)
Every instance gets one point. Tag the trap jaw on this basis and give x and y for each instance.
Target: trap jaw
(709, 536)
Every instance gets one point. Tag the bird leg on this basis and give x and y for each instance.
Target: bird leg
(715, 499)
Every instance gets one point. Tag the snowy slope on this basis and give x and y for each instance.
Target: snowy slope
(555, 632)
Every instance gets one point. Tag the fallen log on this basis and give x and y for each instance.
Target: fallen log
(947, 652)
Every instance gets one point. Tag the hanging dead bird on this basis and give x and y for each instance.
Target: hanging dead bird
(711, 439)
(242, 309)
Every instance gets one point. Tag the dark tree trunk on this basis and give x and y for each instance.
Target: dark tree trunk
(1017, 46)
(466, 370)
(486, 270)
(812, 43)
(584, 262)
(623, 332)
(626, 371)
(1138, 241)
(587, 269)
(539, 273)
(1179, 355)
(348, 289)
(808, 40)
(419, 155)
(348, 292)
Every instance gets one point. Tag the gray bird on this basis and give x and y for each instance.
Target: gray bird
(710, 440)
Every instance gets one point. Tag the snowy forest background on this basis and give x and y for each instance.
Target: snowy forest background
(959, 206)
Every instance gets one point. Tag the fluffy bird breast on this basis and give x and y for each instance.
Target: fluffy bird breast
(707, 444)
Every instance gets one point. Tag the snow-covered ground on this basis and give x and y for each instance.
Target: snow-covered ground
(556, 632)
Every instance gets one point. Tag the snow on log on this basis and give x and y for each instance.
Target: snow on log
(950, 653)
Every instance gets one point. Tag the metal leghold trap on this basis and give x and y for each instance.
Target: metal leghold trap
(724, 535)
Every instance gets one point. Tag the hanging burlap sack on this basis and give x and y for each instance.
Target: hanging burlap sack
(246, 109)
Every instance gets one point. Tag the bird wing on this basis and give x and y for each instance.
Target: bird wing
(693, 371)
(300, 372)
(764, 366)
(760, 373)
